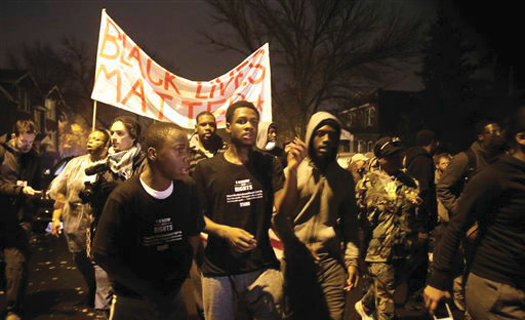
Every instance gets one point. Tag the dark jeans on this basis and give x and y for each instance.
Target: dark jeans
(85, 267)
(15, 254)
(133, 308)
(491, 300)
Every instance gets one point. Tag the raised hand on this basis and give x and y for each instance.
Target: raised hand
(297, 152)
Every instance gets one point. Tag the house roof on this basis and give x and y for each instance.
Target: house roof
(12, 75)
(6, 96)
(10, 78)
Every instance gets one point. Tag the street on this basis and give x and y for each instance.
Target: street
(55, 286)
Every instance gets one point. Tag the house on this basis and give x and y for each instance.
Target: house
(20, 98)
(376, 113)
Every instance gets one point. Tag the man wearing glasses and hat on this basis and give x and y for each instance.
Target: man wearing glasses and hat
(387, 199)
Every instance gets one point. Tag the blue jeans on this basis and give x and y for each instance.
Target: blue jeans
(260, 291)
(491, 300)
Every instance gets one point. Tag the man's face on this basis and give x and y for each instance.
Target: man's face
(243, 128)
(120, 138)
(443, 163)
(324, 141)
(24, 142)
(173, 157)
(272, 134)
(96, 142)
(360, 164)
(391, 163)
(493, 137)
(206, 127)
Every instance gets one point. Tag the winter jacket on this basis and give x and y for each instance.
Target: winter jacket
(197, 154)
(450, 185)
(388, 211)
(495, 199)
(17, 170)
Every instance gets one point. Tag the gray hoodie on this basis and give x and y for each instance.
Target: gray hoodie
(326, 213)
(262, 135)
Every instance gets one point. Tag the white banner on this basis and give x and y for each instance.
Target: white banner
(127, 78)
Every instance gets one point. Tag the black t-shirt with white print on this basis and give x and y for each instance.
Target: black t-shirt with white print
(149, 235)
(239, 196)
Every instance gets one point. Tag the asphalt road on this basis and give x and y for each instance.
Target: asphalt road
(55, 286)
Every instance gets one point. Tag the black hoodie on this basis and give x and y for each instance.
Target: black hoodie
(495, 198)
(420, 166)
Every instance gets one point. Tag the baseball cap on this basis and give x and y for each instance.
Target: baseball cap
(387, 146)
(358, 157)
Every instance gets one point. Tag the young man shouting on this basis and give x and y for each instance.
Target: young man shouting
(149, 230)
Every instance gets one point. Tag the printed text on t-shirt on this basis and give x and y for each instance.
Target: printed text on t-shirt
(162, 235)
(244, 193)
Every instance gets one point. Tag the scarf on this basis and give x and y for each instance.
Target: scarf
(121, 163)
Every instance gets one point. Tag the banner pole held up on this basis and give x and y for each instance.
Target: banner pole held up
(94, 115)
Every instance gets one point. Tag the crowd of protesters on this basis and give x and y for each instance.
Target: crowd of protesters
(142, 214)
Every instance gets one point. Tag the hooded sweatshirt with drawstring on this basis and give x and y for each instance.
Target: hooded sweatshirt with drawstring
(326, 212)
(262, 140)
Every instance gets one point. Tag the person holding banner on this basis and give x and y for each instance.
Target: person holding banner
(149, 231)
(238, 189)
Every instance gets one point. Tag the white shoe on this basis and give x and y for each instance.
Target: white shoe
(361, 311)
(12, 316)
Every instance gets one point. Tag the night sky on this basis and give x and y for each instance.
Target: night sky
(168, 29)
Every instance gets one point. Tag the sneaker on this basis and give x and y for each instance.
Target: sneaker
(101, 314)
(361, 311)
(12, 316)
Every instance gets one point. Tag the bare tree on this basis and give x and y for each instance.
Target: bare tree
(44, 62)
(321, 49)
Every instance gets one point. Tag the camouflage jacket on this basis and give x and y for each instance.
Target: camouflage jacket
(387, 210)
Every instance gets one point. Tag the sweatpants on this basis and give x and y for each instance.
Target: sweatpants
(491, 300)
(260, 291)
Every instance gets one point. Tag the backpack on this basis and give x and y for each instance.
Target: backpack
(458, 187)
(471, 167)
